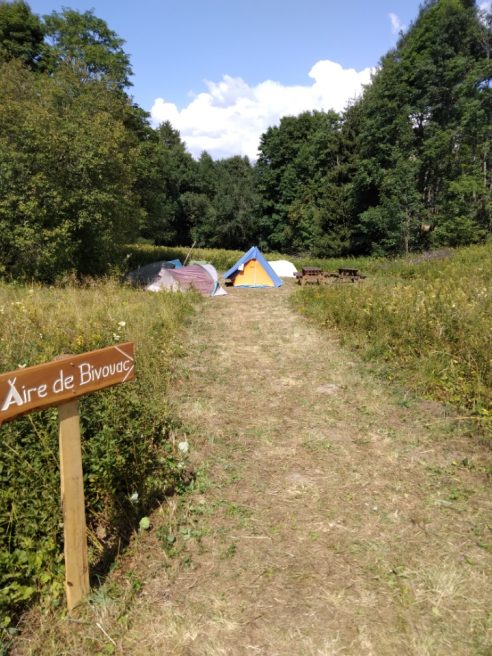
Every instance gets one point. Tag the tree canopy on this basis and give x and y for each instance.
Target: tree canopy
(68, 166)
(408, 165)
(405, 167)
(86, 42)
(21, 34)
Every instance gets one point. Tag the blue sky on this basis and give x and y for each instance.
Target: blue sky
(222, 71)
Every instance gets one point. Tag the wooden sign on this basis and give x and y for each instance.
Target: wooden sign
(60, 383)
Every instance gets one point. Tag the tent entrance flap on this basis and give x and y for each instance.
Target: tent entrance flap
(253, 274)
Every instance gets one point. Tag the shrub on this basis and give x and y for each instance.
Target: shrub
(128, 458)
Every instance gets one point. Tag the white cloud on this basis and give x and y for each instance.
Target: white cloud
(485, 6)
(229, 118)
(396, 24)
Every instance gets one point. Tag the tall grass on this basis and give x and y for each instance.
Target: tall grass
(128, 457)
(429, 321)
(136, 255)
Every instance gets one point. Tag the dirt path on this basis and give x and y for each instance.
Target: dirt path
(332, 515)
(335, 517)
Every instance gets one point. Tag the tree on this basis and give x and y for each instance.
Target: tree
(21, 34)
(425, 133)
(295, 158)
(85, 42)
(228, 220)
(68, 162)
(167, 176)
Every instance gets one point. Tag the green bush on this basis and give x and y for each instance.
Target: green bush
(128, 458)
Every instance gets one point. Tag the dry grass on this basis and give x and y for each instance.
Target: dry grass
(427, 321)
(332, 515)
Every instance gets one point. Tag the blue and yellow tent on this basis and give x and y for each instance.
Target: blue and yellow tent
(252, 270)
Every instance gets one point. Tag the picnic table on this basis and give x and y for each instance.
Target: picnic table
(315, 276)
(310, 276)
(347, 273)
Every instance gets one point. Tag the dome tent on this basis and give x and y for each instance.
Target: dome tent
(156, 277)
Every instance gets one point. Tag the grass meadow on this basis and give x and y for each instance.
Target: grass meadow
(426, 321)
(129, 456)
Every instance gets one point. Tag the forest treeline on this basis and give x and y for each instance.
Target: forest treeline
(407, 166)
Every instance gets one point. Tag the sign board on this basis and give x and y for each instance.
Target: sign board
(60, 383)
(62, 380)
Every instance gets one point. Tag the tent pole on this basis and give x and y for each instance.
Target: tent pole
(189, 253)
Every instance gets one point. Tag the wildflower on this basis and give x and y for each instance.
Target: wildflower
(144, 524)
(121, 324)
(183, 447)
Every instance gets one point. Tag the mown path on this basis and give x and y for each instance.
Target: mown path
(332, 514)
(339, 517)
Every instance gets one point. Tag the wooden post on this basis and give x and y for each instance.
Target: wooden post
(72, 498)
(59, 383)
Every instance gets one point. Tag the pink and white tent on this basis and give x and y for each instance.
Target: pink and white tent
(202, 277)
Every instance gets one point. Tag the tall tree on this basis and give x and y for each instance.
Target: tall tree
(67, 174)
(21, 34)
(86, 42)
(228, 220)
(294, 159)
(167, 185)
(426, 128)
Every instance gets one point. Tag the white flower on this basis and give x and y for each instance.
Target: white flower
(184, 447)
(121, 324)
(134, 497)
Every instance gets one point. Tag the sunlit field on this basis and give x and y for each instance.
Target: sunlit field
(128, 452)
(428, 321)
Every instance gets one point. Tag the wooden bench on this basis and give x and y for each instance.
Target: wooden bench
(348, 272)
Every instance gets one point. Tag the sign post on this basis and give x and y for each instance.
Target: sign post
(73, 508)
(60, 383)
